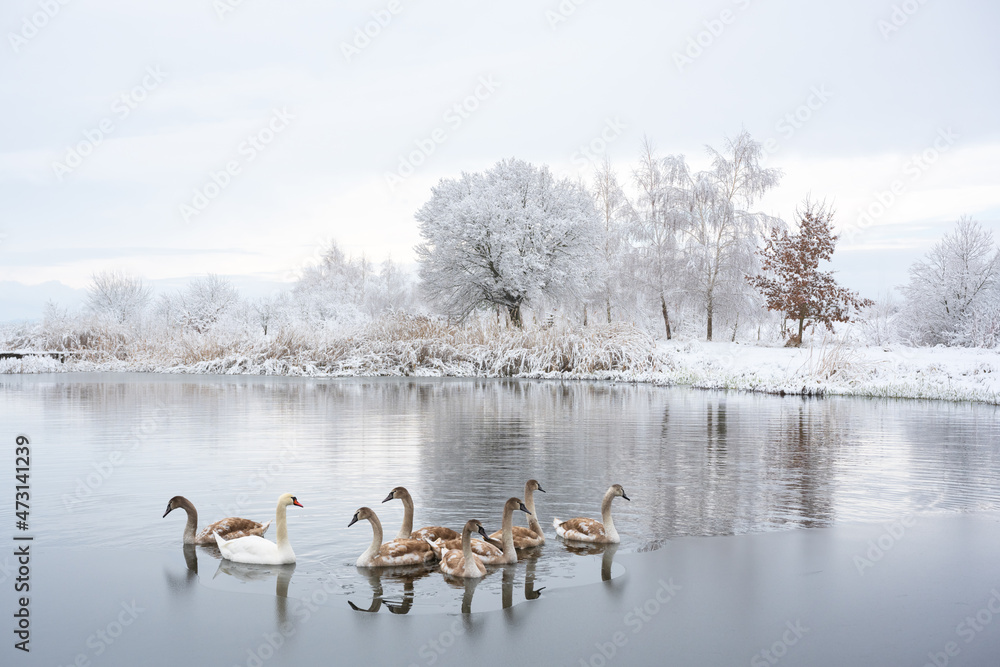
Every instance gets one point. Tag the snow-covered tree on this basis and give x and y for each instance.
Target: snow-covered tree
(953, 294)
(270, 310)
(507, 237)
(204, 302)
(656, 222)
(344, 290)
(615, 212)
(793, 284)
(117, 295)
(720, 231)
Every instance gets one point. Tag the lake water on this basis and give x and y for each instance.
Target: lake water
(109, 451)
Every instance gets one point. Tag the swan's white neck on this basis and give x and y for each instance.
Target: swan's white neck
(407, 528)
(529, 502)
(376, 544)
(284, 548)
(609, 523)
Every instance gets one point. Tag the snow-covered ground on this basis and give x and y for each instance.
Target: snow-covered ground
(617, 352)
(949, 373)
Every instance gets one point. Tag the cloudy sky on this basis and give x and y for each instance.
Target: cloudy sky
(237, 137)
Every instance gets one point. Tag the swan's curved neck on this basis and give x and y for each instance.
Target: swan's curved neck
(609, 523)
(470, 564)
(376, 537)
(279, 518)
(192, 523)
(529, 502)
(507, 531)
(407, 528)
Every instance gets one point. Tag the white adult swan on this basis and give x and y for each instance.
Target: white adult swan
(406, 531)
(391, 554)
(532, 536)
(230, 528)
(588, 530)
(464, 563)
(255, 549)
(488, 552)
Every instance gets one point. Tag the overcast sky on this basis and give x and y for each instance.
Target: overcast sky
(177, 138)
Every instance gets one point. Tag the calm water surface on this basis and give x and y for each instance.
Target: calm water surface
(109, 450)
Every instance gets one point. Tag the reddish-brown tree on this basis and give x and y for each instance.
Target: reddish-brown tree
(793, 283)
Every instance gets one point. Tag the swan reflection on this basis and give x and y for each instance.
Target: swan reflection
(249, 573)
(468, 586)
(606, 551)
(405, 575)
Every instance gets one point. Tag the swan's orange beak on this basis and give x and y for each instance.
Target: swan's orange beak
(296, 502)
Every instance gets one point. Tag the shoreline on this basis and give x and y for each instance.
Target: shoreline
(949, 374)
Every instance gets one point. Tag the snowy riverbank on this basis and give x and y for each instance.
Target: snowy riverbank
(895, 371)
(426, 348)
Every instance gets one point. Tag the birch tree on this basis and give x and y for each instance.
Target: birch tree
(720, 232)
(654, 231)
(614, 210)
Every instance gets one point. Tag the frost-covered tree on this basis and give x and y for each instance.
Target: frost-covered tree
(344, 290)
(953, 294)
(654, 231)
(205, 301)
(270, 310)
(117, 295)
(720, 231)
(506, 237)
(615, 212)
(793, 284)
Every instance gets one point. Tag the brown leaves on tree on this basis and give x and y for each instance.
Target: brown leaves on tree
(792, 282)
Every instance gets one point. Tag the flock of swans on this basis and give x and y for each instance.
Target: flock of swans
(242, 541)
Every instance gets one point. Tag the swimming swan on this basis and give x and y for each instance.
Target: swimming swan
(464, 563)
(255, 549)
(406, 531)
(488, 552)
(532, 536)
(391, 554)
(588, 530)
(229, 528)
